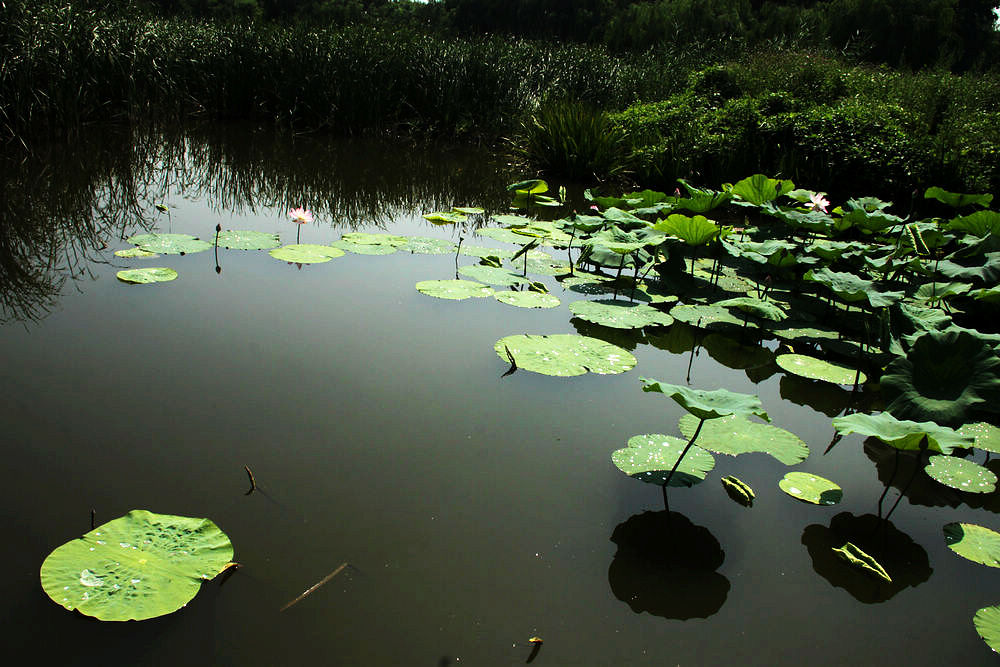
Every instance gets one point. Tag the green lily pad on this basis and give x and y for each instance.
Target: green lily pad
(364, 238)
(492, 275)
(732, 354)
(759, 189)
(134, 252)
(421, 245)
(138, 566)
(694, 231)
(453, 289)
(850, 287)
(976, 543)
(528, 299)
(987, 622)
(502, 235)
(365, 248)
(565, 355)
(170, 244)
(765, 309)
(483, 251)
(306, 253)
(548, 267)
(156, 274)
(902, 434)
(818, 369)
(446, 217)
(961, 474)
(934, 292)
(735, 435)
(620, 314)
(247, 240)
(958, 200)
(811, 488)
(706, 317)
(650, 457)
(986, 436)
(708, 404)
(862, 561)
(738, 490)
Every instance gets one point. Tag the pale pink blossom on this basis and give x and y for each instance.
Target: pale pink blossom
(818, 202)
(300, 215)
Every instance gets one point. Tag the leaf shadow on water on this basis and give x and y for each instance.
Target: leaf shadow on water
(904, 560)
(924, 490)
(829, 399)
(666, 566)
(624, 338)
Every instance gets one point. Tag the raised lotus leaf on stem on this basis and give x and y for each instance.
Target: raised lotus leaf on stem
(694, 231)
(564, 354)
(650, 458)
(902, 434)
(811, 488)
(961, 474)
(705, 404)
(851, 288)
(976, 543)
(979, 223)
(154, 274)
(955, 199)
(138, 566)
(735, 435)
(759, 189)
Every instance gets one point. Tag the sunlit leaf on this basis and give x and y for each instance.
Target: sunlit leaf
(650, 458)
(735, 435)
(976, 543)
(705, 404)
(170, 244)
(857, 558)
(961, 474)
(565, 354)
(453, 289)
(620, 314)
(818, 369)
(146, 276)
(811, 488)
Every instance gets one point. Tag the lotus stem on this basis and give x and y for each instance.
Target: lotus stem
(619, 274)
(923, 448)
(895, 466)
(93, 518)
(681, 457)
(569, 250)
(253, 482)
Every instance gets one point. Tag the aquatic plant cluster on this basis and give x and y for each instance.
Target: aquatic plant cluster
(852, 295)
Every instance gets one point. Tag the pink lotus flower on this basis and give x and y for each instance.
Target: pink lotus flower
(818, 202)
(300, 215)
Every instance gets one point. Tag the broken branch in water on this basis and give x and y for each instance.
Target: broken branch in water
(253, 482)
(316, 585)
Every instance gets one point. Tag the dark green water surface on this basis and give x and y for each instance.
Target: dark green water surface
(474, 511)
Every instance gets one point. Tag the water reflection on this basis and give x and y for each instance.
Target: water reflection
(665, 565)
(904, 560)
(624, 338)
(62, 205)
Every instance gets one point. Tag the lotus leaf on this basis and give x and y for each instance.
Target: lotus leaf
(758, 189)
(565, 354)
(748, 304)
(445, 218)
(738, 490)
(976, 543)
(543, 229)
(857, 558)
(811, 488)
(365, 238)
(732, 354)
(705, 404)
(987, 622)
(247, 240)
(469, 210)
(955, 199)
(134, 252)
(620, 314)
(944, 376)
(989, 295)
(138, 566)
(934, 292)
(492, 275)
(735, 435)
(453, 289)
(365, 248)
(608, 286)
(585, 223)
(482, 251)
(616, 240)
(695, 231)
(145, 276)
(169, 244)
(979, 223)
(502, 235)
(961, 474)
(986, 436)
(818, 369)
(850, 287)
(812, 334)
(986, 271)
(706, 317)
(623, 219)
(306, 253)
(904, 435)
(548, 267)
(512, 220)
(421, 245)
(528, 299)
(651, 457)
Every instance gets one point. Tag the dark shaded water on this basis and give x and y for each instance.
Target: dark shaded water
(475, 511)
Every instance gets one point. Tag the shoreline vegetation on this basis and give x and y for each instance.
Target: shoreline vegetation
(737, 91)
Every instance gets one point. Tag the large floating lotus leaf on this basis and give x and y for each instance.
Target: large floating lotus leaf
(905, 435)
(705, 404)
(529, 299)
(735, 435)
(364, 238)
(170, 244)
(565, 354)
(767, 310)
(422, 245)
(979, 223)
(365, 248)
(156, 274)
(512, 221)
(818, 369)
(134, 252)
(616, 240)
(944, 376)
(445, 217)
(502, 235)
(138, 566)
(548, 267)
(650, 458)
(469, 210)
(483, 251)
(850, 287)
(543, 229)
(247, 240)
(955, 199)
(453, 289)
(812, 334)
(961, 474)
(811, 488)
(758, 189)
(978, 544)
(492, 275)
(620, 314)
(857, 558)
(706, 317)
(694, 231)
(306, 253)
(987, 622)
(987, 436)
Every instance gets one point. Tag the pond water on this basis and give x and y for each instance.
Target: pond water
(475, 511)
